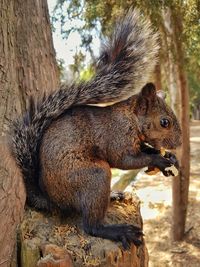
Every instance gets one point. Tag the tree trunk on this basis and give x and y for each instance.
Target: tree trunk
(180, 103)
(27, 62)
(181, 183)
(170, 64)
(27, 66)
(9, 94)
(12, 198)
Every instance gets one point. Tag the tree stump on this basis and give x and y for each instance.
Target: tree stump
(50, 241)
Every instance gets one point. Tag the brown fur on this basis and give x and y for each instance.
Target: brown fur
(80, 147)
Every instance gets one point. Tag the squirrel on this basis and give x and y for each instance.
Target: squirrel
(66, 147)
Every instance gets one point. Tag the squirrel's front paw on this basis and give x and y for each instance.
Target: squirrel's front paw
(163, 164)
(170, 156)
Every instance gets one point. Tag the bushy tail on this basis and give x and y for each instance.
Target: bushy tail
(125, 63)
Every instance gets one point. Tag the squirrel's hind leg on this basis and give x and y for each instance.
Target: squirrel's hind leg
(95, 198)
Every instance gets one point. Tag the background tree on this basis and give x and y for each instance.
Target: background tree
(27, 66)
(181, 182)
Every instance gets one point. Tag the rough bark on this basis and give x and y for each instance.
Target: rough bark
(27, 62)
(27, 66)
(12, 198)
(62, 242)
(35, 56)
(9, 95)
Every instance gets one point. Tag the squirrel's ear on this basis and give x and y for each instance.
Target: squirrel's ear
(146, 99)
(149, 91)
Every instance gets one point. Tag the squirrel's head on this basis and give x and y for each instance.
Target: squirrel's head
(158, 122)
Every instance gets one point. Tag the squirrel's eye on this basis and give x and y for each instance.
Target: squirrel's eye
(164, 123)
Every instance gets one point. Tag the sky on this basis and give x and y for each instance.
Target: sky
(65, 49)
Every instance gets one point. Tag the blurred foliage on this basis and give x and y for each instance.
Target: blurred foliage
(90, 17)
(78, 65)
(194, 86)
(87, 73)
(61, 67)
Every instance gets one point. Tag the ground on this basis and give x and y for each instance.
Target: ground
(156, 211)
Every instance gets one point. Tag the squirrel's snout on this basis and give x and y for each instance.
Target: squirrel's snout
(172, 143)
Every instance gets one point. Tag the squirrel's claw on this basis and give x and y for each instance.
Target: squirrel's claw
(172, 158)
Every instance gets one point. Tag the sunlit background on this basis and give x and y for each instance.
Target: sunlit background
(66, 49)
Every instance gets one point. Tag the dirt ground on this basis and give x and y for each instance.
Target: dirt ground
(156, 211)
